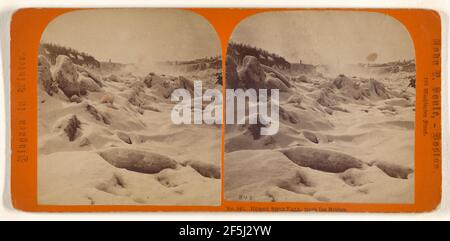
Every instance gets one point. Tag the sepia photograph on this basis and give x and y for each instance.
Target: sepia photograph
(105, 133)
(344, 93)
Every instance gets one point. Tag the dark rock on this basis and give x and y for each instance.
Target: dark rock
(72, 127)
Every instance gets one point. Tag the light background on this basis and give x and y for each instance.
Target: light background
(7, 7)
(134, 30)
(327, 37)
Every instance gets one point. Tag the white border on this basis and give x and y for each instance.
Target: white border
(7, 7)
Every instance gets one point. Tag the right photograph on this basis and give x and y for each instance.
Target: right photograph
(341, 97)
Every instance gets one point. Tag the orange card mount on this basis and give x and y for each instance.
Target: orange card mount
(116, 110)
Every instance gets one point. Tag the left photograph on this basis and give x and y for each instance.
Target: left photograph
(106, 134)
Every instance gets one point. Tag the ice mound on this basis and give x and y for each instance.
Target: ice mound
(344, 90)
(137, 160)
(66, 76)
(45, 76)
(251, 74)
(165, 85)
(88, 84)
(323, 160)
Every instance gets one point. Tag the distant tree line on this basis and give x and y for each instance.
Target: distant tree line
(395, 63)
(239, 50)
(51, 51)
(214, 62)
(197, 61)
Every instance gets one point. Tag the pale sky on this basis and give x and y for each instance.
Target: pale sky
(327, 37)
(135, 35)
